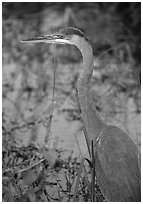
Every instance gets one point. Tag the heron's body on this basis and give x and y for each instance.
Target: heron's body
(117, 165)
(116, 155)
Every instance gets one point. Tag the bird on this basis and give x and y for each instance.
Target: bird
(117, 158)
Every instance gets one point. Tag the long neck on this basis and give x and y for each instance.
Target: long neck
(87, 69)
(90, 116)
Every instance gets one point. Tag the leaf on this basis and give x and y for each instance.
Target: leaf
(81, 199)
(43, 197)
(29, 177)
(32, 197)
(89, 162)
(50, 156)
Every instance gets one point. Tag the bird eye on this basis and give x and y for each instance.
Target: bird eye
(59, 36)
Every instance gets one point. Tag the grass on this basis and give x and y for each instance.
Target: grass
(30, 177)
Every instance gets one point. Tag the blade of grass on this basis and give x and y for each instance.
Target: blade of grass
(93, 172)
(78, 179)
(80, 152)
(86, 138)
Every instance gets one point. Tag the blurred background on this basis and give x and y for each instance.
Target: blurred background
(31, 72)
(113, 28)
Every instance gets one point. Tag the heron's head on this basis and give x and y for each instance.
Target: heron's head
(70, 35)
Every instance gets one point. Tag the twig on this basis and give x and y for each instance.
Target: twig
(48, 127)
(26, 169)
(30, 167)
(31, 123)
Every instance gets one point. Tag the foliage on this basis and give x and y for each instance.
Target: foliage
(44, 180)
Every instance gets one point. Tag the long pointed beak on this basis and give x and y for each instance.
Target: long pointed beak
(55, 39)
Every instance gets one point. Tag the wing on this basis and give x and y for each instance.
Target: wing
(117, 165)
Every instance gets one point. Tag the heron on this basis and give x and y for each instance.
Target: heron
(116, 155)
